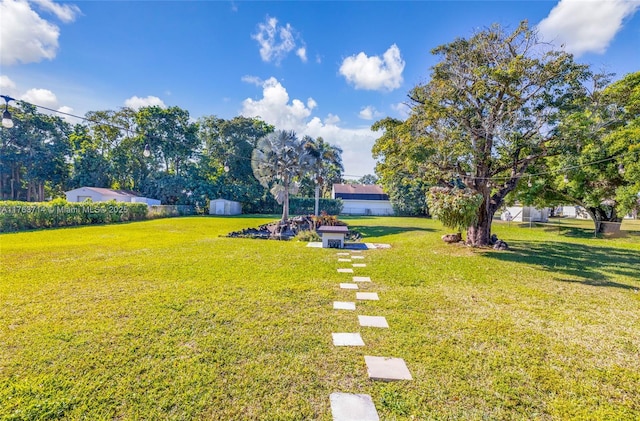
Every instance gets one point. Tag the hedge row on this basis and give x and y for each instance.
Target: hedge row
(306, 206)
(18, 216)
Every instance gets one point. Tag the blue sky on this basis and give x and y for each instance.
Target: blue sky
(326, 69)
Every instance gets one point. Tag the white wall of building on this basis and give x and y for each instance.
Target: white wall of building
(366, 207)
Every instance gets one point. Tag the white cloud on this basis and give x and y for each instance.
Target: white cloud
(374, 73)
(7, 86)
(254, 80)
(275, 107)
(136, 102)
(302, 53)
(65, 12)
(402, 108)
(43, 97)
(369, 113)
(26, 37)
(586, 26)
(276, 41)
(68, 118)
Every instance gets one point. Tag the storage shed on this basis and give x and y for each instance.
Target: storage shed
(525, 214)
(224, 207)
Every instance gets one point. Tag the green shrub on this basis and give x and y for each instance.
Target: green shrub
(306, 206)
(308, 236)
(19, 216)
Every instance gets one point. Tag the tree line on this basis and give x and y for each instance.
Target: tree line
(506, 118)
(158, 152)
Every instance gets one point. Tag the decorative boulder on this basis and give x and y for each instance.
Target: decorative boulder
(452, 238)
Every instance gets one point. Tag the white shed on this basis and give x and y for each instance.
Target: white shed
(525, 214)
(224, 207)
(99, 194)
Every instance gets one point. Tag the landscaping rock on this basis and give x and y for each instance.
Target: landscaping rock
(452, 238)
(500, 245)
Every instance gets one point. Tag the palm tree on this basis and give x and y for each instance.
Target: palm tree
(327, 165)
(279, 161)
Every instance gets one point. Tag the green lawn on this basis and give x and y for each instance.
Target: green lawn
(167, 320)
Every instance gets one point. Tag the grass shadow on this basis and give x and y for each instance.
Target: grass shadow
(589, 265)
(382, 231)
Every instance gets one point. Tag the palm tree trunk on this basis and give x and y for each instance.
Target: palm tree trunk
(317, 199)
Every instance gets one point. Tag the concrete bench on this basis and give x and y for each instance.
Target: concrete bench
(333, 236)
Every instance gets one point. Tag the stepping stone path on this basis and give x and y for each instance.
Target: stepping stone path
(359, 407)
(387, 369)
(347, 339)
(373, 321)
(373, 296)
(344, 305)
(352, 407)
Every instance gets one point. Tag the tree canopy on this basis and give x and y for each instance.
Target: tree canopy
(279, 161)
(489, 112)
(158, 152)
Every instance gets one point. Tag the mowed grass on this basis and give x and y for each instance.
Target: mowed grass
(168, 320)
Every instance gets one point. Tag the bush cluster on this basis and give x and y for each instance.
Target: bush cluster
(19, 216)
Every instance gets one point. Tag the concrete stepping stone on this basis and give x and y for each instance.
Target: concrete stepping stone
(359, 265)
(373, 321)
(361, 279)
(356, 251)
(347, 339)
(345, 270)
(357, 257)
(344, 305)
(348, 286)
(342, 254)
(367, 296)
(344, 260)
(352, 407)
(387, 369)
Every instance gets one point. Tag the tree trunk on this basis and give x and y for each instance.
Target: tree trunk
(317, 199)
(285, 206)
(603, 221)
(479, 234)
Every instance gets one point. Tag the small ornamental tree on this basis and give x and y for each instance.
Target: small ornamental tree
(279, 161)
(456, 208)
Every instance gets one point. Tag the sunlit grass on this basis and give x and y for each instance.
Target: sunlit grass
(166, 319)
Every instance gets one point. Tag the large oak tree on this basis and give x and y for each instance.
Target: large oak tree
(489, 112)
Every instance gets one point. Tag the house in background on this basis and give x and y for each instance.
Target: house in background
(362, 199)
(224, 207)
(99, 194)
